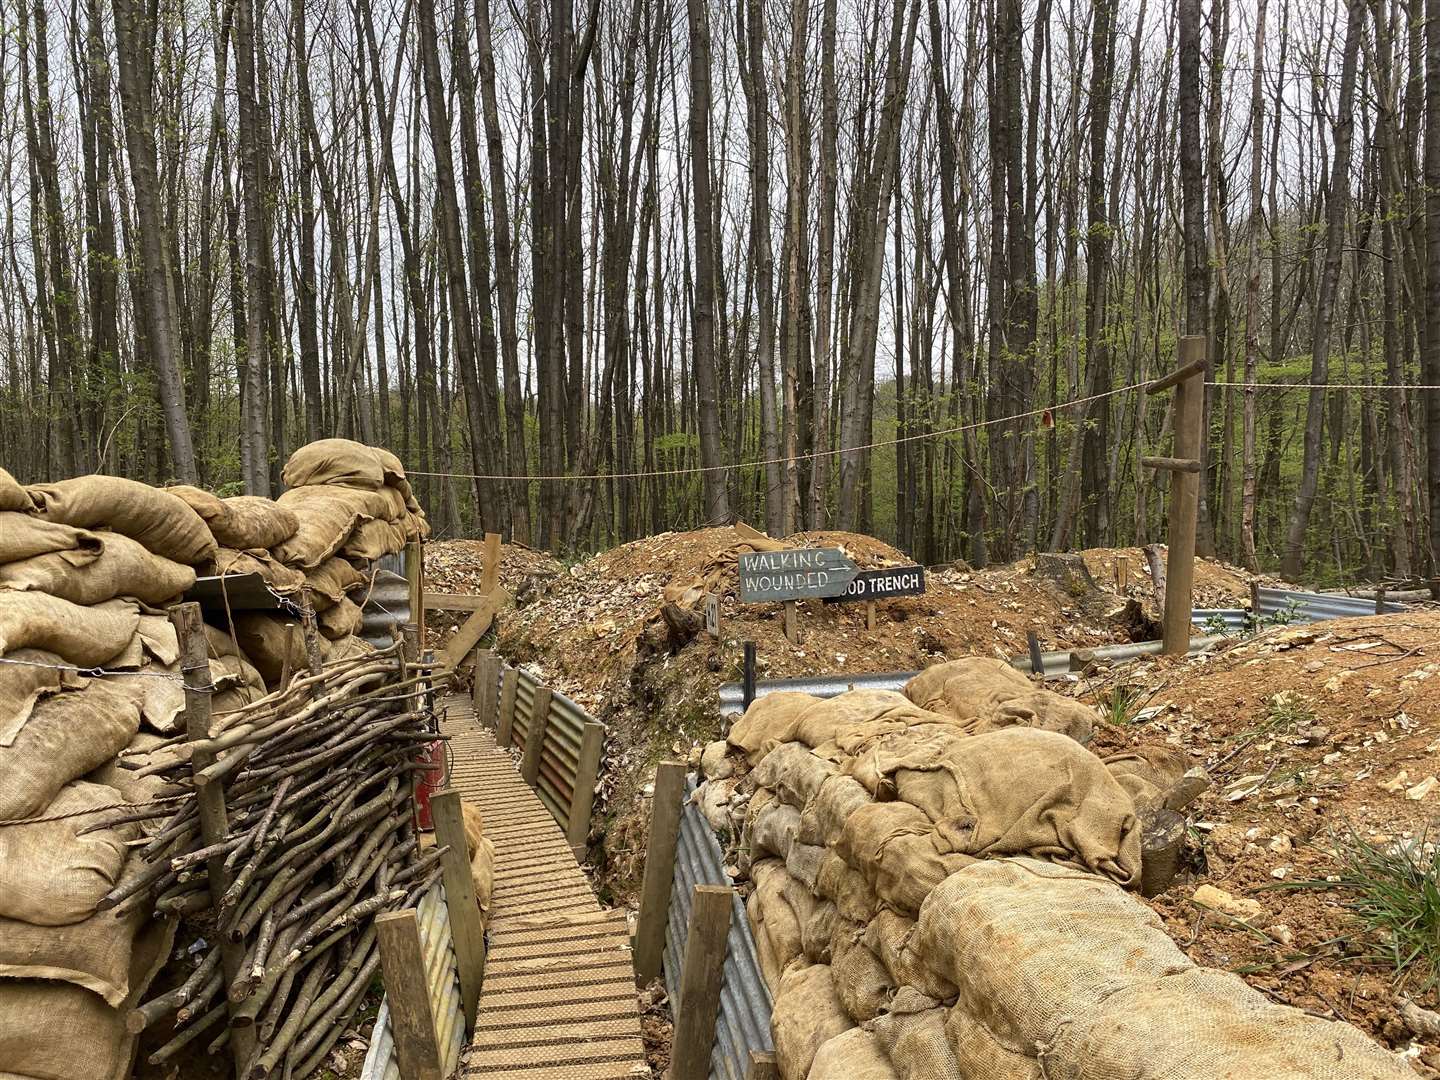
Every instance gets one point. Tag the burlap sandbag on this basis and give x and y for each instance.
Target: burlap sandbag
(332, 581)
(373, 540)
(852, 894)
(900, 853)
(782, 907)
(1022, 792)
(12, 495)
(154, 517)
(824, 816)
(818, 931)
(83, 636)
(67, 735)
(242, 522)
(33, 675)
(1147, 772)
(979, 1052)
(807, 1014)
(768, 722)
(272, 643)
(913, 1035)
(482, 874)
(980, 682)
(121, 567)
(803, 862)
(231, 563)
(334, 461)
(891, 937)
(874, 711)
(340, 620)
(23, 536)
(852, 1055)
(861, 980)
(1201, 1024)
(143, 749)
(772, 829)
(327, 515)
(1031, 946)
(93, 953)
(54, 877)
(57, 1031)
(162, 701)
(793, 773)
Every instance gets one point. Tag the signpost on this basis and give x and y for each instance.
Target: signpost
(883, 584)
(798, 574)
(712, 614)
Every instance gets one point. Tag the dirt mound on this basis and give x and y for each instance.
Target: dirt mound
(458, 566)
(1323, 742)
(1217, 584)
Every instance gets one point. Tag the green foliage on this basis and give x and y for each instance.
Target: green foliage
(1121, 704)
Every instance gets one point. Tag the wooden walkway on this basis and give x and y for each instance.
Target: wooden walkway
(558, 1001)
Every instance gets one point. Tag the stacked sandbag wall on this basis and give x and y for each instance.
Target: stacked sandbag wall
(90, 684)
(940, 887)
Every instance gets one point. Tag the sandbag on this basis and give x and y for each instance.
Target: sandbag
(980, 682)
(803, 862)
(154, 517)
(1023, 792)
(1031, 946)
(33, 675)
(852, 1055)
(23, 536)
(891, 936)
(1148, 772)
(768, 722)
(878, 711)
(83, 636)
(333, 580)
(913, 1035)
(93, 953)
(818, 932)
(340, 620)
(373, 540)
(979, 1052)
(853, 895)
(12, 495)
(1044, 710)
(793, 773)
(231, 563)
(119, 567)
(327, 515)
(242, 522)
(272, 643)
(482, 874)
(807, 1014)
(66, 736)
(824, 817)
(782, 908)
(861, 981)
(899, 852)
(771, 829)
(57, 1031)
(54, 877)
(334, 461)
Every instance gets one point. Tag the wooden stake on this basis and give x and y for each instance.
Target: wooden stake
(505, 722)
(412, 1023)
(792, 628)
(1122, 573)
(763, 1066)
(701, 979)
(214, 820)
(582, 800)
(870, 615)
(535, 735)
(1184, 497)
(490, 572)
(466, 926)
(654, 919)
(487, 688)
(1037, 658)
(415, 576)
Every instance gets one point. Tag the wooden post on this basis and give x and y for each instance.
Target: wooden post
(1254, 607)
(410, 635)
(1037, 658)
(535, 735)
(582, 800)
(412, 1023)
(763, 1066)
(749, 673)
(792, 625)
(415, 576)
(487, 688)
(654, 918)
(1122, 573)
(210, 798)
(701, 978)
(1380, 600)
(1184, 497)
(870, 615)
(467, 929)
(505, 722)
(490, 572)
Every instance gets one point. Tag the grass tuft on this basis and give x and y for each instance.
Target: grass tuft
(1121, 704)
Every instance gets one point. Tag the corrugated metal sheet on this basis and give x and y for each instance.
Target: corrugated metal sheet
(386, 609)
(743, 1022)
(444, 980)
(1314, 607)
(560, 750)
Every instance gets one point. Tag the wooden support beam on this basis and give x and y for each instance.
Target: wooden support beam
(1172, 464)
(870, 615)
(467, 928)
(415, 577)
(701, 980)
(582, 800)
(412, 1022)
(792, 627)
(487, 688)
(665, 809)
(469, 635)
(505, 722)
(1184, 495)
(763, 1066)
(441, 601)
(214, 819)
(535, 735)
(1190, 366)
(490, 572)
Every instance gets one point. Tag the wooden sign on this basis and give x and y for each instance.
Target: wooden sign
(883, 584)
(800, 574)
(712, 615)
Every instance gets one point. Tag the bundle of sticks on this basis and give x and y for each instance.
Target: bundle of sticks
(283, 829)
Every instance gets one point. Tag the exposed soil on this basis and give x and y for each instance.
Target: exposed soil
(1307, 731)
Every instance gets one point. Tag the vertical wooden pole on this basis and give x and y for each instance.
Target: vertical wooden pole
(1037, 658)
(1380, 600)
(210, 798)
(792, 626)
(490, 572)
(870, 615)
(701, 980)
(763, 1066)
(582, 801)
(310, 632)
(487, 688)
(412, 1022)
(1184, 501)
(467, 929)
(535, 735)
(1254, 607)
(749, 673)
(654, 919)
(415, 577)
(505, 723)
(1122, 573)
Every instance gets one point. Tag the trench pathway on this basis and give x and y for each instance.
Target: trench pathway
(558, 1001)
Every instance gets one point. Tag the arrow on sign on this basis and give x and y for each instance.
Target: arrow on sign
(798, 574)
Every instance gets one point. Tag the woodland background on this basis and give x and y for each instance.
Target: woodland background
(550, 238)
